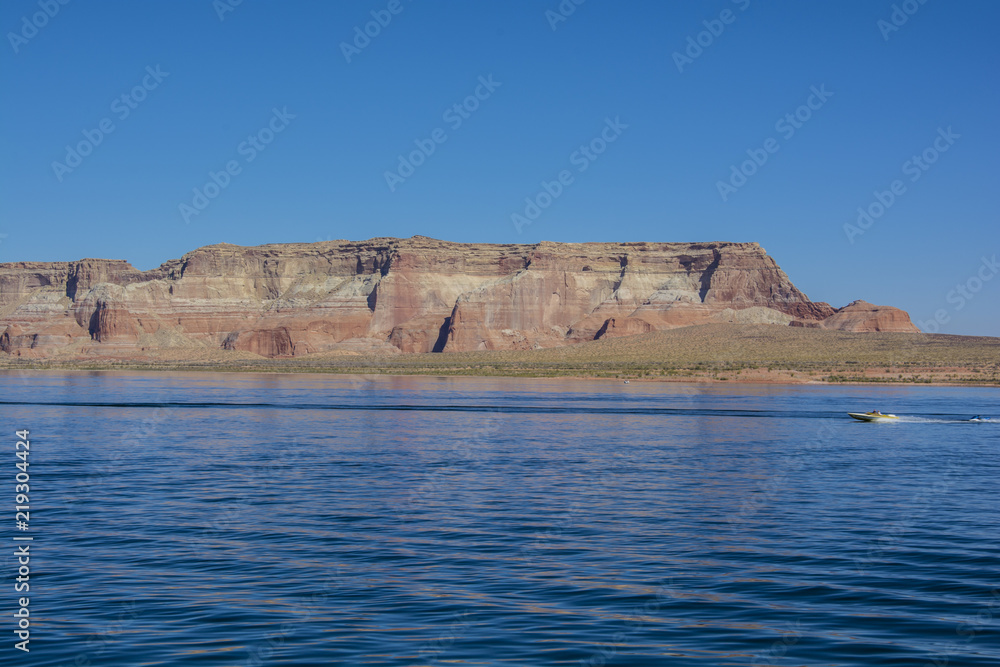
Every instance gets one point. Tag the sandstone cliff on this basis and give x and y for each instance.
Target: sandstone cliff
(403, 295)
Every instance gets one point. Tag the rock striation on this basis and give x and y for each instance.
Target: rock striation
(388, 295)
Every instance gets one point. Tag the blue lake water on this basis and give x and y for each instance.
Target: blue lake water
(256, 519)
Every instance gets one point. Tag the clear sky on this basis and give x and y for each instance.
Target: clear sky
(310, 128)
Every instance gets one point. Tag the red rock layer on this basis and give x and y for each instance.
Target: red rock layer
(415, 295)
(863, 316)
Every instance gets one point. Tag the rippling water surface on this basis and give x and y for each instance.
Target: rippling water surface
(321, 520)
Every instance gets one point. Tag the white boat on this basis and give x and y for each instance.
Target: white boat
(873, 416)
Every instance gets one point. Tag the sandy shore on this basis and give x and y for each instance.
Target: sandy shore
(712, 353)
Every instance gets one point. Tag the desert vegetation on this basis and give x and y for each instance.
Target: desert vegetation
(713, 352)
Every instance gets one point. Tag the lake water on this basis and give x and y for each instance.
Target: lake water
(198, 519)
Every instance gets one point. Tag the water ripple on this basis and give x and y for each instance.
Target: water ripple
(254, 520)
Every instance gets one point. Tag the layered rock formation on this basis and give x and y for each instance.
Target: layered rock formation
(403, 295)
(862, 316)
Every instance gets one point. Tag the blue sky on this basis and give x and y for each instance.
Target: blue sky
(209, 84)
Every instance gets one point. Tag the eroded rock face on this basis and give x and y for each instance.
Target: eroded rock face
(265, 342)
(615, 327)
(863, 316)
(415, 295)
(111, 322)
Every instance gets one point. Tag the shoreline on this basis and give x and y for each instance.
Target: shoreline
(721, 376)
(717, 353)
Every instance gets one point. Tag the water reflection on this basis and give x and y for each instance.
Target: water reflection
(699, 524)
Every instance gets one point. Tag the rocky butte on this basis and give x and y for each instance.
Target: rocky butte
(402, 295)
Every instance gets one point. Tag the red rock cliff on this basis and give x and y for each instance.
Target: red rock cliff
(408, 295)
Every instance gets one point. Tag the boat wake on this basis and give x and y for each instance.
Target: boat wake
(939, 420)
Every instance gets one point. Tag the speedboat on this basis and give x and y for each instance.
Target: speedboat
(977, 418)
(873, 416)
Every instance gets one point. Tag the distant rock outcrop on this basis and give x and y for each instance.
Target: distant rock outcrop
(862, 316)
(406, 295)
